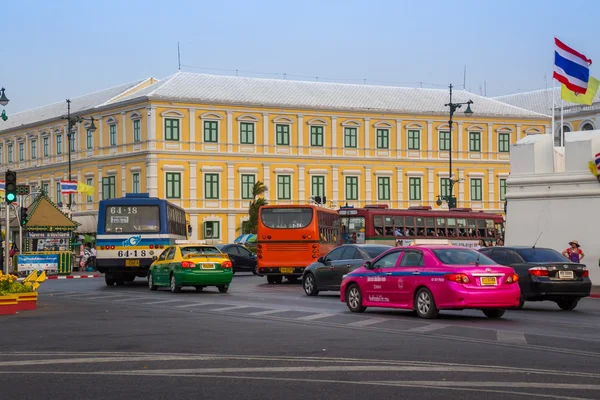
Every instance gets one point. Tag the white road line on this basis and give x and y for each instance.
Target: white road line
(315, 316)
(195, 304)
(367, 322)
(161, 302)
(108, 296)
(511, 337)
(267, 312)
(135, 298)
(229, 308)
(428, 328)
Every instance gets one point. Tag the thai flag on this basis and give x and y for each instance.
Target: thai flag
(571, 68)
(2, 186)
(68, 187)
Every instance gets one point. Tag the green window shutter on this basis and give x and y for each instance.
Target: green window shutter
(414, 140)
(476, 187)
(350, 137)
(211, 186)
(414, 188)
(444, 187)
(211, 134)
(316, 136)
(318, 185)
(282, 135)
(246, 132)
(475, 141)
(173, 185)
(248, 182)
(351, 188)
(383, 188)
(444, 143)
(504, 142)
(284, 183)
(137, 134)
(383, 138)
(172, 129)
(502, 189)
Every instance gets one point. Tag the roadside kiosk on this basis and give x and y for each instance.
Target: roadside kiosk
(48, 239)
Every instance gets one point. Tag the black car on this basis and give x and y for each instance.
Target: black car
(544, 274)
(327, 272)
(241, 258)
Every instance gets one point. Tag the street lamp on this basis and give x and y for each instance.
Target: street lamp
(3, 99)
(71, 122)
(451, 200)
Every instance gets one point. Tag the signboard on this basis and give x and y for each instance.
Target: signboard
(454, 242)
(49, 235)
(37, 262)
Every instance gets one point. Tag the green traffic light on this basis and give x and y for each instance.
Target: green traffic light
(10, 197)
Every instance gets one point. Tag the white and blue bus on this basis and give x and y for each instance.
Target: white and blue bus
(132, 232)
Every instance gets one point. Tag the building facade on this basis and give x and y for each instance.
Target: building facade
(202, 141)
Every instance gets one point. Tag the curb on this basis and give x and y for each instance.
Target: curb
(54, 277)
(595, 295)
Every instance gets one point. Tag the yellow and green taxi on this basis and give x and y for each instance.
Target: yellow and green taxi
(191, 264)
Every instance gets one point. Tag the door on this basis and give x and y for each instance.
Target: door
(234, 255)
(168, 265)
(407, 277)
(350, 260)
(379, 279)
(325, 273)
(247, 258)
(159, 273)
(500, 256)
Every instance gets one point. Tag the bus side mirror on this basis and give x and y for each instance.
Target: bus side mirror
(368, 265)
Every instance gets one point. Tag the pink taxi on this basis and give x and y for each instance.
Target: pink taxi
(427, 279)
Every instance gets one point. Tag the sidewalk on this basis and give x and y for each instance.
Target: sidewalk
(595, 292)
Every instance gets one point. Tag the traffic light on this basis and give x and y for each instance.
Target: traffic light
(10, 188)
(4, 116)
(23, 215)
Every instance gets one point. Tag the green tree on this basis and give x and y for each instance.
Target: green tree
(259, 189)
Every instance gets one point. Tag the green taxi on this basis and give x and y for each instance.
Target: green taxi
(195, 265)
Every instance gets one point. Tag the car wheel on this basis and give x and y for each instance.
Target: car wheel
(425, 304)
(151, 284)
(494, 313)
(109, 280)
(223, 288)
(568, 304)
(309, 285)
(354, 299)
(174, 287)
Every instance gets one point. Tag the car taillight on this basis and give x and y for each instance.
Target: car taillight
(226, 264)
(538, 271)
(269, 237)
(512, 278)
(459, 278)
(187, 264)
(586, 273)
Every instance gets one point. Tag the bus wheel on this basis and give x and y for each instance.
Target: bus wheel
(274, 279)
(109, 280)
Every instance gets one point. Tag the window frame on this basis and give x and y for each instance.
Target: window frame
(475, 141)
(317, 181)
(413, 136)
(210, 131)
(112, 134)
(414, 183)
(59, 144)
(350, 137)
(135, 182)
(444, 188)
(281, 187)
(382, 138)
(384, 183)
(21, 151)
(89, 139)
(211, 186)
(10, 153)
(353, 183)
(172, 185)
(136, 127)
(502, 186)
(33, 149)
(444, 140)
(247, 132)
(475, 189)
(212, 224)
(110, 183)
(249, 186)
(89, 182)
(282, 138)
(172, 133)
(503, 142)
(46, 146)
(317, 137)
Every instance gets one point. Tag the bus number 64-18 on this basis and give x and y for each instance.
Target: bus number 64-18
(131, 253)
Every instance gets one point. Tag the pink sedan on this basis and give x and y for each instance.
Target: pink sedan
(427, 279)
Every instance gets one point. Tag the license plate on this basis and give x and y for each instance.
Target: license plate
(132, 263)
(207, 266)
(488, 280)
(287, 270)
(565, 274)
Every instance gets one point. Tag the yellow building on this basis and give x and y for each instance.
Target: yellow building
(201, 141)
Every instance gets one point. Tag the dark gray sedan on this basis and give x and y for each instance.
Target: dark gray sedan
(327, 272)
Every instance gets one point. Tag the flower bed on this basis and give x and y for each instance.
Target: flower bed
(15, 296)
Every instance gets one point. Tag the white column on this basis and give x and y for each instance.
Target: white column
(301, 186)
(367, 137)
(123, 180)
(51, 146)
(460, 200)
(430, 186)
(151, 128)
(490, 140)
(192, 129)
(194, 224)
(229, 131)
(78, 139)
(300, 136)
(334, 136)
(335, 183)
(265, 133)
(152, 176)
(26, 150)
(518, 134)
(399, 188)
(267, 180)
(458, 149)
(40, 148)
(124, 131)
(430, 140)
(491, 185)
(100, 135)
(99, 183)
(193, 194)
(230, 228)
(398, 137)
(230, 185)
(368, 184)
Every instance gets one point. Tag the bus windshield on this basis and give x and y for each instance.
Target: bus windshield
(353, 229)
(286, 218)
(132, 219)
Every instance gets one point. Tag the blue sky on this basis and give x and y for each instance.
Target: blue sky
(52, 50)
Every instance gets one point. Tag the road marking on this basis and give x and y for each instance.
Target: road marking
(267, 312)
(428, 328)
(315, 316)
(367, 322)
(135, 298)
(511, 337)
(229, 308)
(161, 302)
(195, 304)
(108, 296)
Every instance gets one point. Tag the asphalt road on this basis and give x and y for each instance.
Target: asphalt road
(259, 341)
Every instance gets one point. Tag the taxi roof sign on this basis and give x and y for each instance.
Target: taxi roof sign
(423, 242)
(190, 242)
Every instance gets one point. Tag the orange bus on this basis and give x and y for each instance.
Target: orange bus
(290, 237)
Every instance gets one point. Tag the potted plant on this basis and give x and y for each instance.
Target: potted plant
(12, 291)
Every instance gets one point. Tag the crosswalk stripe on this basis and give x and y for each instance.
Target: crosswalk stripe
(315, 316)
(162, 302)
(229, 308)
(367, 322)
(267, 312)
(195, 304)
(428, 328)
(511, 337)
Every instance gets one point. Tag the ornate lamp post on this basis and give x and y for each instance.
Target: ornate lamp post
(449, 198)
(3, 102)
(71, 122)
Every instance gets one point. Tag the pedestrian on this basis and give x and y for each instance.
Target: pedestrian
(499, 242)
(574, 253)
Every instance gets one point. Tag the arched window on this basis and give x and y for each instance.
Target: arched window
(586, 127)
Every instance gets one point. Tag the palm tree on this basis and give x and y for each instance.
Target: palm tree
(258, 189)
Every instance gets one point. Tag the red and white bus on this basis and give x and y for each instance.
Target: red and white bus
(380, 224)
(290, 237)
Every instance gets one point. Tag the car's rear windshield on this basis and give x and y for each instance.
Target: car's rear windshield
(199, 250)
(286, 218)
(462, 257)
(375, 251)
(541, 255)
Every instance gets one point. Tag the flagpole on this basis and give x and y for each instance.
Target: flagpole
(553, 107)
(562, 133)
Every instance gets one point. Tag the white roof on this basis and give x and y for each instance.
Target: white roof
(234, 90)
(540, 101)
(78, 104)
